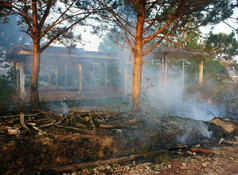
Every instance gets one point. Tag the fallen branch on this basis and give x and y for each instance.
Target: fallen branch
(74, 167)
(80, 117)
(80, 125)
(39, 130)
(117, 126)
(16, 116)
(204, 151)
(22, 121)
(48, 125)
(91, 122)
(68, 127)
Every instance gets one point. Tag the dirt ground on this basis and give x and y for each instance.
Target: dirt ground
(223, 160)
(55, 143)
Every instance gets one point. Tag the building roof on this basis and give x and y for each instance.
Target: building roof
(58, 55)
(52, 55)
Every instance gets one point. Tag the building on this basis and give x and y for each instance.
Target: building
(77, 74)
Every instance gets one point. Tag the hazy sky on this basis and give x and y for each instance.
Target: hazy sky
(91, 42)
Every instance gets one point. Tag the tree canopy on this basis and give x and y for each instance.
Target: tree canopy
(147, 23)
(222, 45)
(46, 22)
(11, 34)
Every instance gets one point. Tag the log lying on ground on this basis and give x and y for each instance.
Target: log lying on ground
(225, 124)
(74, 167)
(103, 126)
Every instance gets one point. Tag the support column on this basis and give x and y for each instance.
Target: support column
(126, 79)
(13, 76)
(17, 77)
(183, 75)
(49, 79)
(161, 74)
(110, 77)
(65, 76)
(105, 75)
(201, 73)
(56, 77)
(21, 80)
(165, 71)
(80, 78)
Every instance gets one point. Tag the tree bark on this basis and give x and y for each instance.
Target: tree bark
(137, 70)
(137, 81)
(35, 102)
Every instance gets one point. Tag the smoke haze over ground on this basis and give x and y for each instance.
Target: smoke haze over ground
(169, 98)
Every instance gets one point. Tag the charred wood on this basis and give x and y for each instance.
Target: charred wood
(74, 167)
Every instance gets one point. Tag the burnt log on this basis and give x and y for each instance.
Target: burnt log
(75, 167)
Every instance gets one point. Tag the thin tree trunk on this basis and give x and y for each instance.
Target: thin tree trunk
(201, 73)
(35, 102)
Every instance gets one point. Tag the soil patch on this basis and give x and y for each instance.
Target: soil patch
(57, 140)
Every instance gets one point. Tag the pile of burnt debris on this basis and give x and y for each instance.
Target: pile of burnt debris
(56, 143)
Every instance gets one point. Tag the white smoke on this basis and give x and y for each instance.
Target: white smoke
(65, 108)
(199, 127)
(172, 100)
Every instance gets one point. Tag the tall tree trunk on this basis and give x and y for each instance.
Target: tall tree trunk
(138, 62)
(137, 80)
(35, 102)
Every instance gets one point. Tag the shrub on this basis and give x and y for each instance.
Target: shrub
(6, 91)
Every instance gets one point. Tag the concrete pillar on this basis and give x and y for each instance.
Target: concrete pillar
(65, 76)
(161, 74)
(126, 78)
(80, 77)
(13, 71)
(56, 77)
(105, 75)
(49, 78)
(17, 77)
(183, 75)
(165, 71)
(201, 73)
(21, 76)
